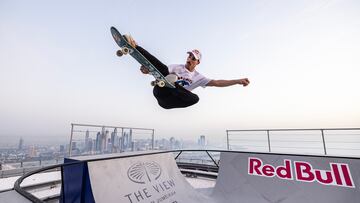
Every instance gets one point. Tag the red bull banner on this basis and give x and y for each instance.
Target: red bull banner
(253, 177)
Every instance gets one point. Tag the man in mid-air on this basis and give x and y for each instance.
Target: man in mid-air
(184, 77)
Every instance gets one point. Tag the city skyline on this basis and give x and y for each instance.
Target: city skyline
(58, 65)
(105, 142)
(96, 140)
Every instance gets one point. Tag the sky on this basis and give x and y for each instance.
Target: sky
(58, 65)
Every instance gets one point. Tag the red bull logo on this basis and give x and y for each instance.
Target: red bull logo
(338, 175)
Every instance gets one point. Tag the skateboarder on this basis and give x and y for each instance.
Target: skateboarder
(187, 79)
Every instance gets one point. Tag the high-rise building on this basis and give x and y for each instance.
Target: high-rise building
(130, 136)
(178, 144)
(62, 148)
(73, 145)
(201, 141)
(121, 144)
(114, 141)
(172, 143)
(21, 144)
(89, 145)
(87, 133)
(133, 146)
(126, 140)
(87, 141)
(104, 140)
(98, 142)
(108, 145)
(32, 151)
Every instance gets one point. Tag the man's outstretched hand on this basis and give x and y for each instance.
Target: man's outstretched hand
(244, 82)
(144, 69)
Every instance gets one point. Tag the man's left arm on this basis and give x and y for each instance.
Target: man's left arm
(225, 83)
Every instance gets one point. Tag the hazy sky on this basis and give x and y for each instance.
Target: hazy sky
(58, 65)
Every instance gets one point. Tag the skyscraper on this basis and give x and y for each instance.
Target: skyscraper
(62, 148)
(130, 136)
(201, 141)
(125, 140)
(32, 151)
(104, 140)
(121, 144)
(87, 141)
(87, 134)
(21, 144)
(98, 142)
(172, 143)
(109, 145)
(114, 141)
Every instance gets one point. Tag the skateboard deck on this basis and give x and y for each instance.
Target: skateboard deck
(126, 48)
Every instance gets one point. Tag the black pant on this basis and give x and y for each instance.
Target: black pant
(169, 98)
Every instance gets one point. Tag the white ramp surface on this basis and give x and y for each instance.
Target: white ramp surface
(152, 178)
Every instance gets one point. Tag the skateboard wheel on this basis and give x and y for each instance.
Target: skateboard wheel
(125, 50)
(119, 53)
(153, 83)
(161, 83)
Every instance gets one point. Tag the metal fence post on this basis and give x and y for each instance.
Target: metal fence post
(268, 135)
(323, 139)
(71, 137)
(122, 140)
(227, 139)
(152, 139)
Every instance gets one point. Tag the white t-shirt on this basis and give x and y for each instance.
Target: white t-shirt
(190, 80)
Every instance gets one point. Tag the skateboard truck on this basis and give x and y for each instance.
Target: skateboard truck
(172, 78)
(122, 51)
(159, 83)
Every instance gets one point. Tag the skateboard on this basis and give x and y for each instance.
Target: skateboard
(126, 48)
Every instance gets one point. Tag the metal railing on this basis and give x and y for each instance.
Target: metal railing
(86, 129)
(316, 140)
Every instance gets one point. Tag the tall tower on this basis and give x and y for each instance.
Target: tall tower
(103, 140)
(113, 140)
(202, 141)
(21, 144)
(130, 136)
(87, 141)
(98, 142)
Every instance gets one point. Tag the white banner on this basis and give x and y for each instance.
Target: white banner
(151, 178)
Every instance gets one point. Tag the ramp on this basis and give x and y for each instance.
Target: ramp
(265, 178)
(152, 178)
(243, 177)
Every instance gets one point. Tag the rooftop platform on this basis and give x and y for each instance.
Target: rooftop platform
(241, 176)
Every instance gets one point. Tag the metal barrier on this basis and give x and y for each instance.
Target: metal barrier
(320, 141)
(17, 172)
(94, 138)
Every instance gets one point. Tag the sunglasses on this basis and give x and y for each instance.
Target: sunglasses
(192, 57)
